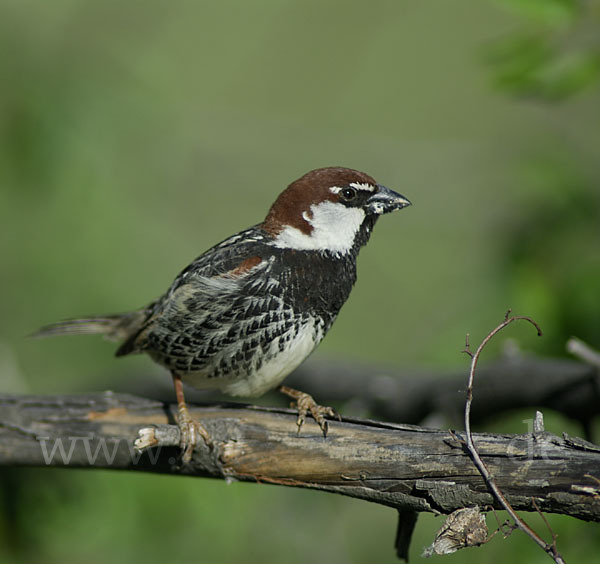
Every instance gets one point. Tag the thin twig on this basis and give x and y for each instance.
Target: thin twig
(467, 349)
(552, 533)
(550, 549)
(506, 528)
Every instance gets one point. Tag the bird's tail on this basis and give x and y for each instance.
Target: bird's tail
(114, 327)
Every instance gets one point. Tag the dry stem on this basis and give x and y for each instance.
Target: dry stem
(520, 523)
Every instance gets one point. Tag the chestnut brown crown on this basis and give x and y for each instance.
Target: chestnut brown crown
(314, 187)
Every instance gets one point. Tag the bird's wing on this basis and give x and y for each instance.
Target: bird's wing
(207, 294)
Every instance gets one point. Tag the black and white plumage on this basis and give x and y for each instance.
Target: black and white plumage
(249, 310)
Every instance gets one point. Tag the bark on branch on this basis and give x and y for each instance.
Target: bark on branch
(402, 466)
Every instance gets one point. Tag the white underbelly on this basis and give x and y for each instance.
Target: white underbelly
(273, 371)
(275, 367)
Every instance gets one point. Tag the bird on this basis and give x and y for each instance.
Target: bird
(251, 309)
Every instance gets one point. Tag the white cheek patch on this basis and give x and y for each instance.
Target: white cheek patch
(334, 228)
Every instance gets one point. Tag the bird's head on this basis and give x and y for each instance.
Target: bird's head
(329, 210)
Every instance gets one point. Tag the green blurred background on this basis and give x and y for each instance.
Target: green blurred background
(134, 135)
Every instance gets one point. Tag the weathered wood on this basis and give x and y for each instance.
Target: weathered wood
(402, 466)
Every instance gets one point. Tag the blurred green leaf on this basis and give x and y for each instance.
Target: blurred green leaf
(532, 66)
(554, 55)
(518, 60)
(569, 74)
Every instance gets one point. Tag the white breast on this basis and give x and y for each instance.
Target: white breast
(276, 365)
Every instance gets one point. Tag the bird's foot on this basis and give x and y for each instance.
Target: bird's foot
(305, 404)
(190, 431)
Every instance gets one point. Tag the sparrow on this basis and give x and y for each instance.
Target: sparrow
(248, 311)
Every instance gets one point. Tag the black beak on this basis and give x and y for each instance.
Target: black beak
(385, 201)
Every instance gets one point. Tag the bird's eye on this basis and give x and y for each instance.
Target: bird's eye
(349, 193)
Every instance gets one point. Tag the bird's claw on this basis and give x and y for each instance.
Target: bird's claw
(306, 404)
(190, 430)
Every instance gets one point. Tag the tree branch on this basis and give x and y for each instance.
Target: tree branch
(401, 466)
